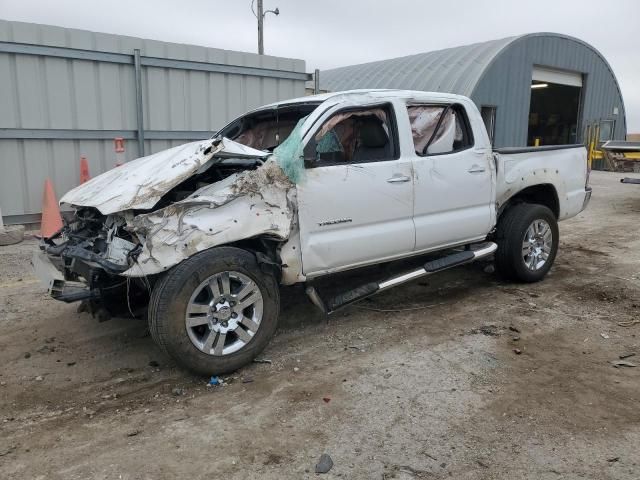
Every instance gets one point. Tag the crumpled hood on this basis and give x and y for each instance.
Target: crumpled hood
(141, 183)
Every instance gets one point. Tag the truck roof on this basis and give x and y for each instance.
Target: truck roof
(366, 94)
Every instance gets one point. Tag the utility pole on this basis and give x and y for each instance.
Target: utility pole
(260, 28)
(260, 16)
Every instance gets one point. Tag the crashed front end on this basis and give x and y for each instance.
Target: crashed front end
(138, 220)
(85, 260)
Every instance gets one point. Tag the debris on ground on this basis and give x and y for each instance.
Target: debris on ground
(324, 464)
(262, 360)
(326, 399)
(517, 351)
(604, 335)
(626, 355)
(46, 349)
(623, 363)
(613, 459)
(247, 380)
(133, 433)
(214, 381)
(39, 378)
(9, 450)
(178, 392)
(27, 355)
(629, 323)
(514, 328)
(488, 330)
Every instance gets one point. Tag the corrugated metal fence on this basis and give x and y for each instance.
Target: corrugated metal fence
(66, 93)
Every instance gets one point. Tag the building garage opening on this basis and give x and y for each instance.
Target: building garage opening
(555, 107)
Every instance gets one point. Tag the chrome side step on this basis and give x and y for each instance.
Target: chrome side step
(371, 288)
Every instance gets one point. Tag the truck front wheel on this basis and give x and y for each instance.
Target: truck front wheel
(214, 312)
(527, 238)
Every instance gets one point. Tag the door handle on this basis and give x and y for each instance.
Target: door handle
(398, 179)
(476, 169)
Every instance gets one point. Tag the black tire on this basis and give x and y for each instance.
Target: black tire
(512, 227)
(171, 295)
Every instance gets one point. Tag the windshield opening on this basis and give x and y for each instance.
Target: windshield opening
(266, 129)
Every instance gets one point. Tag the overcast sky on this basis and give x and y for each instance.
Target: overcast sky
(331, 33)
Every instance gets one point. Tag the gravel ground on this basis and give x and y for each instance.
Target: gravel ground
(424, 381)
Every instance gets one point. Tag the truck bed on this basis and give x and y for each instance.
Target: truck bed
(563, 166)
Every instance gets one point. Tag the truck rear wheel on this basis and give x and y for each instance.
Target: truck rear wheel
(214, 312)
(527, 238)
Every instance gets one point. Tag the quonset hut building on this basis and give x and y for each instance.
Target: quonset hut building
(534, 89)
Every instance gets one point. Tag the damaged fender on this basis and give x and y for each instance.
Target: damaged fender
(248, 204)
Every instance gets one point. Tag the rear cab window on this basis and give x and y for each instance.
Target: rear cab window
(439, 129)
(355, 135)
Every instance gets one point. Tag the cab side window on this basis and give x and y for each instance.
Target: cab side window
(438, 129)
(354, 136)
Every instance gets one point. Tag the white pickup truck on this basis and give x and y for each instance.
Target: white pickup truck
(200, 236)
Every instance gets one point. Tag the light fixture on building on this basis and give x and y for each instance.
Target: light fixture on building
(539, 85)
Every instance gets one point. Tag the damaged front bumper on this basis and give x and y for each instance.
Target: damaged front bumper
(53, 280)
(85, 261)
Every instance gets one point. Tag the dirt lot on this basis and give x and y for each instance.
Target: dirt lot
(434, 390)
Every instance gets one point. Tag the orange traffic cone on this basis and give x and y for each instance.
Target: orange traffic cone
(51, 218)
(84, 170)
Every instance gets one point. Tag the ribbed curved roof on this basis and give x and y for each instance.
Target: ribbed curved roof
(497, 73)
(452, 70)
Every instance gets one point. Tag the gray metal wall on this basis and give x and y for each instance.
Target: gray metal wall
(66, 93)
(506, 84)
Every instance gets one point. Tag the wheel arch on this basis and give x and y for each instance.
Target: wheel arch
(541, 194)
(266, 250)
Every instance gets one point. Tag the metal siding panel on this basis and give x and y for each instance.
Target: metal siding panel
(269, 86)
(36, 165)
(61, 94)
(8, 92)
(253, 84)
(176, 96)
(196, 101)
(24, 32)
(109, 94)
(12, 185)
(85, 92)
(5, 30)
(66, 160)
(157, 101)
(58, 93)
(218, 101)
(30, 98)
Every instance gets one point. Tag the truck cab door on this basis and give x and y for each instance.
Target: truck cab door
(355, 205)
(454, 177)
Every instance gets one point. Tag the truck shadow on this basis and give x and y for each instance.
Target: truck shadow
(297, 310)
